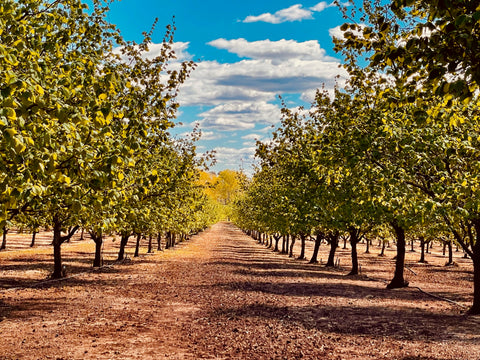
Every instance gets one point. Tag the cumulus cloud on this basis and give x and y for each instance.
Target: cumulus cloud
(210, 135)
(272, 68)
(239, 116)
(275, 50)
(321, 6)
(232, 158)
(240, 95)
(293, 13)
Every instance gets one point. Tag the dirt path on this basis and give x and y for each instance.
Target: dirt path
(222, 296)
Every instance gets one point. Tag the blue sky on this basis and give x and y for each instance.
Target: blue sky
(248, 53)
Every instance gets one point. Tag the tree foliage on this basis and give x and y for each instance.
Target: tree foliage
(84, 124)
(396, 149)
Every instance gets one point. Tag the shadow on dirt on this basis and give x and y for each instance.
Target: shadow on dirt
(372, 321)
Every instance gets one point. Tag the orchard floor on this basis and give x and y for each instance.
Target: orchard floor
(221, 295)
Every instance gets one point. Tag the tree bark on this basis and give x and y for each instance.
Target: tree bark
(4, 239)
(277, 239)
(150, 250)
(367, 249)
(137, 245)
(333, 238)
(450, 253)
(58, 240)
(97, 238)
(292, 243)
(422, 250)
(382, 252)
(159, 241)
(34, 235)
(316, 248)
(57, 250)
(123, 243)
(475, 309)
(398, 280)
(353, 242)
(303, 238)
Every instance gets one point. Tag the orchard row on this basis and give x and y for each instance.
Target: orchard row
(84, 129)
(395, 153)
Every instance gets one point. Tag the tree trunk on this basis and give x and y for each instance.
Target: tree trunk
(367, 250)
(411, 245)
(422, 250)
(97, 238)
(353, 242)
(149, 251)
(398, 280)
(137, 246)
(384, 244)
(34, 235)
(57, 250)
(475, 309)
(333, 248)
(303, 238)
(4, 239)
(159, 241)
(292, 243)
(123, 243)
(450, 253)
(316, 248)
(277, 239)
(167, 236)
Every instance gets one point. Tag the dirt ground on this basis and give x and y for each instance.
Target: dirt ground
(221, 295)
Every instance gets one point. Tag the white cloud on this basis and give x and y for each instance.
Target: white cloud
(231, 158)
(211, 135)
(273, 68)
(275, 50)
(293, 13)
(320, 6)
(239, 116)
(240, 94)
(252, 137)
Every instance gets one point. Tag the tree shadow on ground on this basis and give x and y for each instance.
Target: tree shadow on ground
(73, 267)
(373, 321)
(326, 290)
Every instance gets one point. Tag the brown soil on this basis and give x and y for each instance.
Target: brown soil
(221, 295)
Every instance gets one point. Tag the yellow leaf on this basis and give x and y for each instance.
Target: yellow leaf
(11, 114)
(39, 90)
